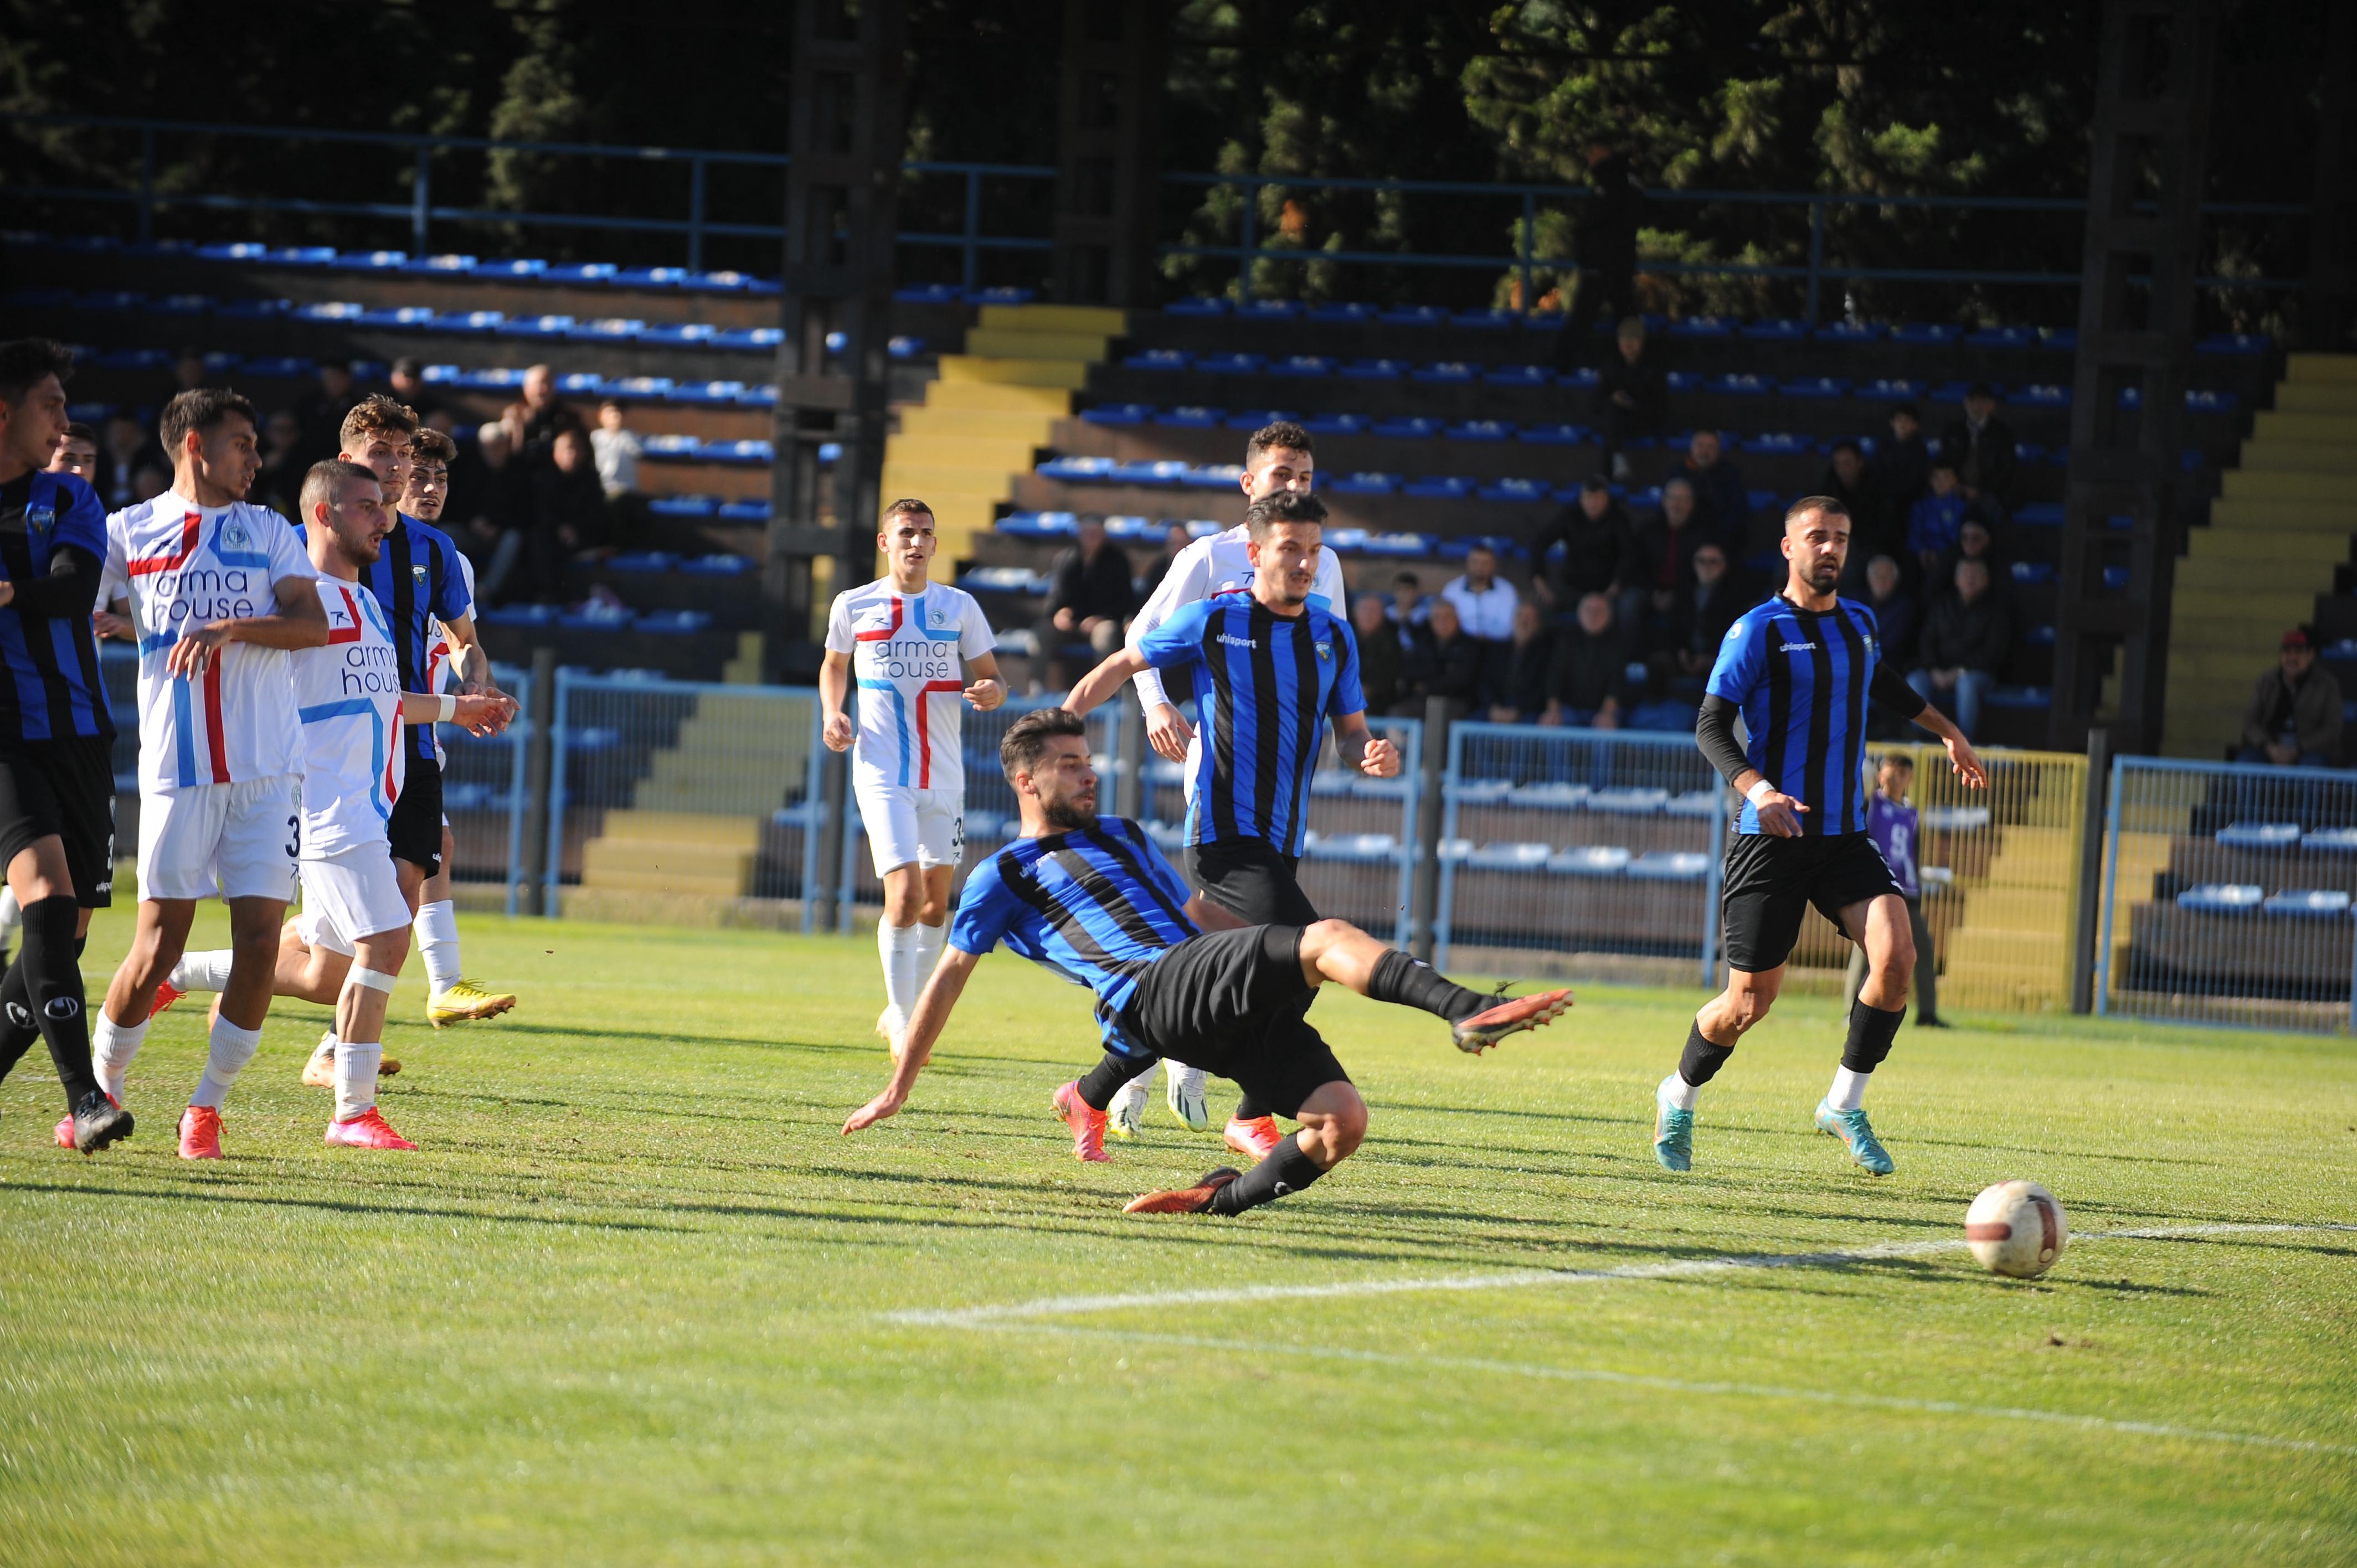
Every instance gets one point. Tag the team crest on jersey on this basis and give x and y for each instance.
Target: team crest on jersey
(418, 572)
(1325, 649)
(234, 536)
(40, 519)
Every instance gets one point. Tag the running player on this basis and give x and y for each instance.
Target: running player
(901, 638)
(220, 592)
(1269, 665)
(1799, 669)
(346, 948)
(1277, 458)
(56, 741)
(1091, 899)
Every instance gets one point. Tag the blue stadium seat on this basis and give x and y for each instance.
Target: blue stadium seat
(1119, 414)
(671, 448)
(1254, 418)
(1522, 491)
(1130, 528)
(747, 453)
(584, 273)
(2308, 903)
(1779, 444)
(1375, 370)
(1412, 428)
(649, 277)
(448, 263)
(1191, 416)
(1924, 334)
(725, 564)
(582, 384)
(1334, 424)
(2330, 841)
(1890, 389)
(758, 339)
(2222, 898)
(1555, 435)
(1518, 376)
(1781, 330)
(1439, 486)
(944, 294)
(1850, 332)
(1481, 319)
(2235, 343)
(1040, 524)
(1585, 378)
(2006, 338)
(1700, 804)
(1230, 364)
(1629, 802)
(326, 310)
(1077, 469)
(2042, 395)
(1481, 430)
(181, 305)
(1267, 309)
(1196, 305)
(131, 359)
(1415, 315)
(679, 334)
(1212, 477)
(1589, 860)
(708, 394)
(642, 562)
(536, 325)
(2030, 698)
(520, 268)
(1554, 795)
(1673, 866)
(1301, 365)
(1446, 373)
(2039, 514)
(1167, 471)
(1341, 311)
(640, 389)
(2259, 835)
(370, 260)
(1400, 546)
(1518, 857)
(607, 329)
(1703, 327)
(1815, 387)
(279, 368)
(743, 512)
(1159, 360)
(1360, 849)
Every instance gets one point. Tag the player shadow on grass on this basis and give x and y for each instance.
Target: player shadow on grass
(214, 1193)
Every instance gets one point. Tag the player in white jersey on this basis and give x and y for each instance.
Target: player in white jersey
(1278, 457)
(902, 638)
(346, 948)
(219, 594)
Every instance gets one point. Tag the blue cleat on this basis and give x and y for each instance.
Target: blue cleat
(1857, 1134)
(1673, 1134)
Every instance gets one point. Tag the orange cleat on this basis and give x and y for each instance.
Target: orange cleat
(365, 1130)
(1195, 1199)
(1257, 1137)
(1087, 1124)
(165, 994)
(1486, 1028)
(200, 1133)
(65, 1132)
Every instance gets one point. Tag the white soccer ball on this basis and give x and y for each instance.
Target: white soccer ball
(2016, 1228)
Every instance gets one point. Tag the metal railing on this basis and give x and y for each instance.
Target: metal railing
(483, 792)
(2227, 895)
(1524, 262)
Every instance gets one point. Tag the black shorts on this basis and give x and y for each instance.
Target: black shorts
(1771, 882)
(1233, 1004)
(415, 829)
(65, 788)
(1251, 880)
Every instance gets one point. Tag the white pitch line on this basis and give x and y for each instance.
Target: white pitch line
(1517, 1279)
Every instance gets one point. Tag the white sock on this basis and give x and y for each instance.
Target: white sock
(202, 971)
(929, 940)
(12, 916)
(437, 938)
(1848, 1092)
(1680, 1093)
(1139, 1085)
(231, 1049)
(112, 1047)
(897, 947)
(356, 1065)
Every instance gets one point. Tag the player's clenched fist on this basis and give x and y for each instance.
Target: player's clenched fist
(1380, 760)
(838, 734)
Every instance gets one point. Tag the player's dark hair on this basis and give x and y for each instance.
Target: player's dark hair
(25, 361)
(200, 409)
(1807, 504)
(375, 415)
(1269, 437)
(913, 507)
(1285, 506)
(1026, 740)
(432, 446)
(78, 431)
(323, 479)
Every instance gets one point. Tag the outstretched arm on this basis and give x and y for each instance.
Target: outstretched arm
(1891, 689)
(1105, 679)
(925, 1025)
(476, 712)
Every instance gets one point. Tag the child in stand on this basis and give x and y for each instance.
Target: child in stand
(1891, 823)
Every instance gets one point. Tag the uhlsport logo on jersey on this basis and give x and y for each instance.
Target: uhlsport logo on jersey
(1232, 640)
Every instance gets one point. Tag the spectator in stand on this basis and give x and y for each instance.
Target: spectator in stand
(491, 508)
(1894, 611)
(1980, 445)
(1090, 597)
(1379, 652)
(279, 485)
(1599, 551)
(321, 411)
(1719, 593)
(1722, 506)
(1666, 546)
(1965, 638)
(2294, 719)
(77, 452)
(1409, 605)
(1975, 542)
(1590, 679)
(1632, 393)
(1607, 237)
(1455, 658)
(1904, 459)
(572, 517)
(409, 384)
(188, 374)
(119, 462)
(1522, 691)
(535, 419)
(1936, 522)
(618, 449)
(1485, 608)
(1850, 481)
(1174, 538)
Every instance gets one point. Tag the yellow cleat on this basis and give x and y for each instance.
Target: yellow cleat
(464, 1002)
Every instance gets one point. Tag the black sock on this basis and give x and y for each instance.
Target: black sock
(1251, 1107)
(1285, 1170)
(1414, 983)
(1871, 1030)
(53, 978)
(1701, 1060)
(1103, 1082)
(17, 1030)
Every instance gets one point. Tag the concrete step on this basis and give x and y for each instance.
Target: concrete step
(999, 453)
(1069, 374)
(998, 396)
(2275, 423)
(2242, 484)
(927, 422)
(683, 828)
(2018, 910)
(2312, 546)
(930, 479)
(632, 868)
(2250, 569)
(1005, 343)
(2316, 397)
(2338, 515)
(2312, 369)
(2329, 455)
(1101, 320)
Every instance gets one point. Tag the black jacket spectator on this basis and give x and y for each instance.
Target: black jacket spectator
(1706, 607)
(1093, 588)
(1958, 635)
(1591, 669)
(1526, 675)
(1722, 506)
(1380, 657)
(1645, 383)
(1599, 551)
(1895, 621)
(1986, 459)
(1608, 220)
(1456, 658)
(1905, 465)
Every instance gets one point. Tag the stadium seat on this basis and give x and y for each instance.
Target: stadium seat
(1629, 802)
(1662, 866)
(1375, 370)
(1589, 860)
(2222, 898)
(1196, 305)
(1555, 435)
(1550, 796)
(1341, 311)
(1957, 819)
(2308, 903)
(1254, 418)
(1360, 849)
(1301, 365)
(2259, 835)
(1334, 424)
(1191, 416)
(1517, 857)
(1410, 428)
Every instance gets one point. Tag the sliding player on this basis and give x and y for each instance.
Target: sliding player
(901, 638)
(1269, 666)
(1091, 899)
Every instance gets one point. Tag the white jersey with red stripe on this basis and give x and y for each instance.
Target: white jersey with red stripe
(187, 566)
(905, 651)
(348, 695)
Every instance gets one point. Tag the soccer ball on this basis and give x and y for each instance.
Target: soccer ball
(2016, 1228)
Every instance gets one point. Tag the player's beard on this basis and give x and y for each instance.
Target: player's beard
(1825, 576)
(1073, 815)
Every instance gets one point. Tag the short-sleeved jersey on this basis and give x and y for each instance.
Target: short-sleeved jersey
(1265, 684)
(348, 695)
(1218, 565)
(418, 580)
(52, 688)
(1801, 677)
(1097, 906)
(441, 675)
(905, 649)
(1893, 828)
(185, 566)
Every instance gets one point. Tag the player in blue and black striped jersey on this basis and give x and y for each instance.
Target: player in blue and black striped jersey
(1799, 669)
(1091, 899)
(57, 738)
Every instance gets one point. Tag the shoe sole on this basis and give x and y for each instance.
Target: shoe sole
(1861, 1165)
(113, 1131)
(1195, 1199)
(445, 1019)
(1485, 1029)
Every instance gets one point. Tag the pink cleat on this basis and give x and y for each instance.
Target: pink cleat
(1087, 1124)
(165, 994)
(65, 1132)
(365, 1130)
(1255, 1137)
(200, 1133)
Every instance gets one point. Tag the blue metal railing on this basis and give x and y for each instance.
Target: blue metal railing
(422, 213)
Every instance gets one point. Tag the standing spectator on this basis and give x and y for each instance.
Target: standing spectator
(1965, 643)
(618, 448)
(1599, 551)
(279, 485)
(1632, 393)
(76, 454)
(1905, 461)
(1850, 481)
(570, 517)
(1174, 538)
(2294, 719)
(1891, 823)
(1708, 608)
(1607, 239)
(491, 509)
(1936, 522)
(1666, 547)
(1485, 608)
(125, 453)
(1981, 448)
(1089, 600)
(1591, 669)
(535, 419)
(1455, 658)
(409, 384)
(321, 412)
(1722, 506)
(1521, 695)
(1379, 652)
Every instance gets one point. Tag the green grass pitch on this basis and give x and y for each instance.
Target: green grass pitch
(634, 1300)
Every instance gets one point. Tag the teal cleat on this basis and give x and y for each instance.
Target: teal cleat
(1673, 1134)
(1857, 1134)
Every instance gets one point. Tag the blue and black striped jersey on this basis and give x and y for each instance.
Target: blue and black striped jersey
(1801, 677)
(1097, 906)
(52, 689)
(1265, 688)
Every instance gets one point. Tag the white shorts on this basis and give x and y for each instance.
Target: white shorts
(905, 823)
(349, 895)
(237, 839)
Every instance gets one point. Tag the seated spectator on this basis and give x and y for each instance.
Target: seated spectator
(1904, 459)
(125, 452)
(1850, 481)
(1455, 658)
(1409, 605)
(321, 411)
(1722, 506)
(1599, 551)
(1981, 448)
(1089, 599)
(279, 484)
(76, 453)
(1174, 538)
(409, 384)
(1937, 520)
(1964, 642)
(618, 448)
(1666, 546)
(188, 374)
(535, 419)
(2294, 719)
(491, 509)
(1589, 684)
(1631, 392)
(570, 517)
(1523, 689)
(1485, 608)
(1380, 660)
(1707, 608)
(1975, 542)
(1894, 611)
